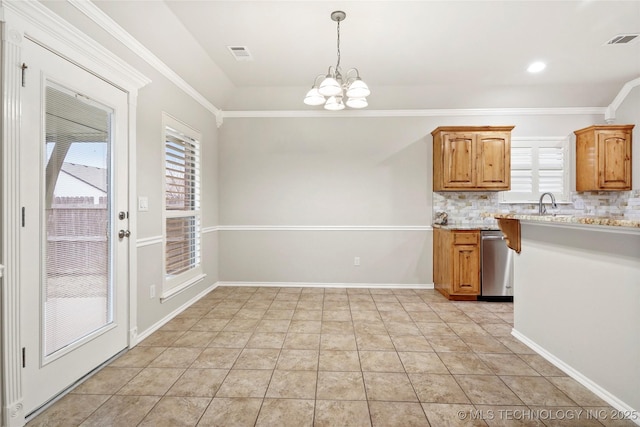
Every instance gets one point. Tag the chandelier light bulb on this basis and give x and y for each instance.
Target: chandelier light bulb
(314, 98)
(334, 103)
(357, 102)
(329, 87)
(358, 89)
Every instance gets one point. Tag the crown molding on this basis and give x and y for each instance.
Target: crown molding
(442, 112)
(105, 22)
(610, 113)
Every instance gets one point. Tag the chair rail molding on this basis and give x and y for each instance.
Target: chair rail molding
(324, 228)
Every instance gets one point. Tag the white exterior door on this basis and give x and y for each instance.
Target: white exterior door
(73, 193)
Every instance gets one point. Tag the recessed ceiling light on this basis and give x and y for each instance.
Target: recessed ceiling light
(536, 67)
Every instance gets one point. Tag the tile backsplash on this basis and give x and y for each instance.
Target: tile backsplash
(476, 207)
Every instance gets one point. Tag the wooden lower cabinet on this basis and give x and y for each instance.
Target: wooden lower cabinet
(456, 263)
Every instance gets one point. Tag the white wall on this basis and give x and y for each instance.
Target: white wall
(577, 297)
(629, 113)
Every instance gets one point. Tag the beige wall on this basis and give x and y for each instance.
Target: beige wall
(340, 171)
(315, 172)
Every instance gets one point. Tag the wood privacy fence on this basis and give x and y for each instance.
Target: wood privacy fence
(77, 230)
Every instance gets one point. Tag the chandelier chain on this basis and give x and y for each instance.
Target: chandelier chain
(338, 64)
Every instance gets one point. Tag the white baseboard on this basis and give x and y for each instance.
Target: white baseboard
(578, 376)
(160, 323)
(331, 285)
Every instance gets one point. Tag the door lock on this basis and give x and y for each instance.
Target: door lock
(122, 215)
(124, 233)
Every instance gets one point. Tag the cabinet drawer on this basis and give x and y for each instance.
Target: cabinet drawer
(466, 238)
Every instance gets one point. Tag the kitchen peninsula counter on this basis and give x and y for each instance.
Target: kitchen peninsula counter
(577, 298)
(604, 221)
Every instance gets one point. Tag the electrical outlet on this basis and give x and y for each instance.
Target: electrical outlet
(356, 261)
(152, 291)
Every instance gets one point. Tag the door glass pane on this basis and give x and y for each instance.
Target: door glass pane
(76, 283)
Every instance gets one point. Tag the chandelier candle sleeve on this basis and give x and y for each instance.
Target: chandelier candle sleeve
(334, 87)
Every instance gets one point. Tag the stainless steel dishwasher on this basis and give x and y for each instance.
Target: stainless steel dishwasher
(497, 267)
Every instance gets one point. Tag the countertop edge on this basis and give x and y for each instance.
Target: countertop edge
(466, 227)
(591, 223)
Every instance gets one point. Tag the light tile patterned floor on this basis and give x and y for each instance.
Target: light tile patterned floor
(331, 357)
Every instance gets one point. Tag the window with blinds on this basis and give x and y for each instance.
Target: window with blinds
(538, 165)
(182, 233)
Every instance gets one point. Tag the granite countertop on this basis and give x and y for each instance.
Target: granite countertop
(608, 221)
(468, 226)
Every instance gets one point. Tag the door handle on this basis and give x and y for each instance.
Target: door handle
(123, 233)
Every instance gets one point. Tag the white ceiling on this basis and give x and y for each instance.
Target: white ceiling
(413, 54)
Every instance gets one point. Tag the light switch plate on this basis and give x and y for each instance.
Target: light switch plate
(143, 204)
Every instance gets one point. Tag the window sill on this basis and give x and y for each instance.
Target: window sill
(170, 293)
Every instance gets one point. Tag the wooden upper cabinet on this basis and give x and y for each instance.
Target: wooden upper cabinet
(603, 158)
(472, 158)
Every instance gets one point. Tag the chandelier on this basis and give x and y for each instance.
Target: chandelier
(335, 87)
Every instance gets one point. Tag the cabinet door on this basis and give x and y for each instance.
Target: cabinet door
(614, 160)
(466, 269)
(458, 160)
(493, 166)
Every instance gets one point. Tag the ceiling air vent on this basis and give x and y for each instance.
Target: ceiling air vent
(623, 39)
(241, 53)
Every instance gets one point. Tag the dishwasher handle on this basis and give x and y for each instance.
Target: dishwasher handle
(493, 237)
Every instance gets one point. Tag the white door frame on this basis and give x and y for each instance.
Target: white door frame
(34, 21)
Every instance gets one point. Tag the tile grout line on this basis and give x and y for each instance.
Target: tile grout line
(481, 339)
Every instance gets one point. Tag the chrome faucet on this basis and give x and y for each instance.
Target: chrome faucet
(542, 209)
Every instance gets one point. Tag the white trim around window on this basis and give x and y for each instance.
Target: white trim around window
(181, 216)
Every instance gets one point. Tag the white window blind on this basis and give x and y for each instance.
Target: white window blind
(538, 165)
(182, 228)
